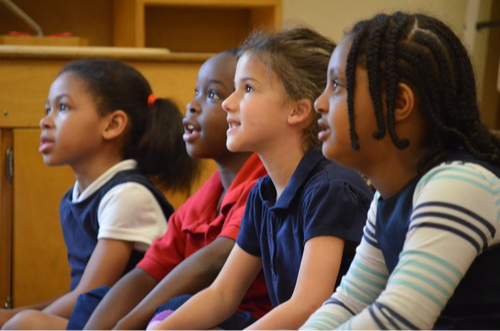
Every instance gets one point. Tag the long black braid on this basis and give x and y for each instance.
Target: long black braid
(425, 54)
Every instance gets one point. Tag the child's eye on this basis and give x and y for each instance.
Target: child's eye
(213, 95)
(63, 106)
(248, 88)
(336, 85)
(47, 110)
(196, 92)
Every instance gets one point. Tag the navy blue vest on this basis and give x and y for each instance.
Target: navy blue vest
(80, 225)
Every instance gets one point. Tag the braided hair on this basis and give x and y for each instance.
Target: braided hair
(425, 54)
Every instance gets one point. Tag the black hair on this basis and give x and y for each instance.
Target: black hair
(154, 133)
(425, 54)
(299, 56)
(232, 51)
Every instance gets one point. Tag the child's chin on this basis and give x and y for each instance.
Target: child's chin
(327, 152)
(232, 147)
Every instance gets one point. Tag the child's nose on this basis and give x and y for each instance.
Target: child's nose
(44, 123)
(228, 104)
(319, 105)
(193, 107)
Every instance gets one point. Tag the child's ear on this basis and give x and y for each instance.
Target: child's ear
(115, 124)
(405, 102)
(300, 112)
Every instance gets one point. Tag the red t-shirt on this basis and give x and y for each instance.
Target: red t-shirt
(196, 224)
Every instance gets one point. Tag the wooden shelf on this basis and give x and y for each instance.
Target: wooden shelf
(191, 25)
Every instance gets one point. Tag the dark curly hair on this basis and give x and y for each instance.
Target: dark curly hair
(425, 54)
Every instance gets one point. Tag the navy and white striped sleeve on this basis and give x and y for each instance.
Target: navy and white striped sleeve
(456, 216)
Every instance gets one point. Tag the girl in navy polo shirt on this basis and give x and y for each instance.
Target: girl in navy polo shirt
(104, 122)
(303, 221)
(401, 107)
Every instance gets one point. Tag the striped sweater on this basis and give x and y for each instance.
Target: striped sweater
(428, 258)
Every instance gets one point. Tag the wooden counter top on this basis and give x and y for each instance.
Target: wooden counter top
(26, 73)
(18, 52)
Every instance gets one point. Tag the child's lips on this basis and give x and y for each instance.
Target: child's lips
(191, 132)
(325, 130)
(233, 125)
(45, 145)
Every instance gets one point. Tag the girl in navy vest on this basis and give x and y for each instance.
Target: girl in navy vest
(400, 106)
(104, 122)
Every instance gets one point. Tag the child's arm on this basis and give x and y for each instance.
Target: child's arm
(191, 276)
(315, 283)
(105, 267)
(216, 303)
(360, 287)
(451, 212)
(121, 299)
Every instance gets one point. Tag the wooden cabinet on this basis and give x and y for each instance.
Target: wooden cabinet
(39, 265)
(33, 263)
(192, 25)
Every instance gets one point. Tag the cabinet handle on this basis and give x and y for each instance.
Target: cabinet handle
(10, 163)
(8, 303)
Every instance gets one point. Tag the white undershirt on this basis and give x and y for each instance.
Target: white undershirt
(128, 211)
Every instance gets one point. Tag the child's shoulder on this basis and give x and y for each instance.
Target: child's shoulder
(336, 174)
(462, 168)
(461, 175)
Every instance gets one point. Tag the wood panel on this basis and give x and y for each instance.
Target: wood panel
(209, 34)
(490, 105)
(40, 268)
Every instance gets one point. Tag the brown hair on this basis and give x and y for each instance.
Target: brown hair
(299, 57)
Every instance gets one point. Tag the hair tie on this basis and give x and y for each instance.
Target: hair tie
(151, 100)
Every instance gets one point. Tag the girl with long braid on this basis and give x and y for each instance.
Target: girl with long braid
(400, 106)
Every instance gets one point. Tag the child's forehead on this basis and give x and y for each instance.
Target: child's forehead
(255, 62)
(67, 81)
(218, 65)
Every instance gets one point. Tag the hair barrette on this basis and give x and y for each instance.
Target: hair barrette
(151, 100)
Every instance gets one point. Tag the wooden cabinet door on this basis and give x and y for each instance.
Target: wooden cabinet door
(40, 270)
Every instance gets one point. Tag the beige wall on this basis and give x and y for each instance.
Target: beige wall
(333, 17)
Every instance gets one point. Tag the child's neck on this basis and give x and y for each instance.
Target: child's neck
(87, 173)
(229, 168)
(397, 171)
(281, 165)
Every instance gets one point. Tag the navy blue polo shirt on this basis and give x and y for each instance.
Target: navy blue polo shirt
(321, 199)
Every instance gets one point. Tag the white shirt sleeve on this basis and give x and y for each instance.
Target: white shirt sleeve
(130, 212)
